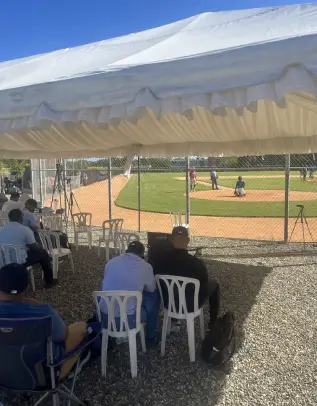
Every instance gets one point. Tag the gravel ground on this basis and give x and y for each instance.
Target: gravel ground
(272, 289)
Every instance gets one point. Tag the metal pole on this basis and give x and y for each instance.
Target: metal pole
(110, 188)
(187, 191)
(139, 196)
(64, 176)
(286, 201)
(41, 183)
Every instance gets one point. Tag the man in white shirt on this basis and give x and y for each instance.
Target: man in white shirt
(130, 272)
(13, 203)
(14, 233)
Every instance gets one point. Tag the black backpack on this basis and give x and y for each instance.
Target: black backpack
(219, 344)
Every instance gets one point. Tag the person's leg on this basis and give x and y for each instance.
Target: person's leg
(41, 257)
(149, 312)
(214, 300)
(213, 297)
(76, 334)
(212, 183)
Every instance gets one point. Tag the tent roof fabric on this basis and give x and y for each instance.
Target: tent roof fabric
(226, 83)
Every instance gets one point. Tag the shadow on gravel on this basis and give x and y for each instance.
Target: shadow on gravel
(170, 380)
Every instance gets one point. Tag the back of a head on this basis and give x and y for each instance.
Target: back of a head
(180, 237)
(16, 215)
(14, 279)
(31, 204)
(239, 177)
(15, 196)
(137, 248)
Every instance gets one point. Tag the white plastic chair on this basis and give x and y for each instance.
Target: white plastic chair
(178, 219)
(119, 299)
(47, 211)
(12, 253)
(82, 225)
(109, 230)
(50, 242)
(122, 241)
(169, 283)
(53, 222)
(38, 217)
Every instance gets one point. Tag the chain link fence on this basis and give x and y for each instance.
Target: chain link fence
(234, 197)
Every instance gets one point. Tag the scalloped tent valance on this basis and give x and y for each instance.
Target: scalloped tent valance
(227, 83)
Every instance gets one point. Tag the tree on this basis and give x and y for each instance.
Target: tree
(15, 165)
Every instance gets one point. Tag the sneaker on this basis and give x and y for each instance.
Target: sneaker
(51, 285)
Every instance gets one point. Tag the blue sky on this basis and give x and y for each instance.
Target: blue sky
(31, 27)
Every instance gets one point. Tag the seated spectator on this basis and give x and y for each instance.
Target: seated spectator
(159, 245)
(179, 262)
(130, 272)
(240, 187)
(14, 280)
(13, 203)
(29, 219)
(31, 253)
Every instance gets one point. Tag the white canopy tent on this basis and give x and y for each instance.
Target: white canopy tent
(225, 83)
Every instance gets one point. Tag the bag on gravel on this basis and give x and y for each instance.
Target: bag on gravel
(219, 344)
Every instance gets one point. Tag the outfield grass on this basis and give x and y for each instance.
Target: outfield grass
(162, 193)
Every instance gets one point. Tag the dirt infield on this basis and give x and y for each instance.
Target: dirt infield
(253, 195)
(94, 199)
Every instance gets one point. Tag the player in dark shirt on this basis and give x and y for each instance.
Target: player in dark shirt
(179, 262)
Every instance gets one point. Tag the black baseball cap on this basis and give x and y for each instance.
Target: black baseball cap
(14, 279)
(180, 230)
(15, 194)
(136, 247)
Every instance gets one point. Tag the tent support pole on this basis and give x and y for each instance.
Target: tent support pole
(187, 191)
(41, 182)
(139, 196)
(109, 189)
(286, 200)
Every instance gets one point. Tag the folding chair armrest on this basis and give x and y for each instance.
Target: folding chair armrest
(81, 347)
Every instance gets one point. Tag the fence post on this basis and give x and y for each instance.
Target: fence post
(139, 196)
(187, 191)
(286, 200)
(110, 188)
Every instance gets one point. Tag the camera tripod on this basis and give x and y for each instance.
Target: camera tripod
(60, 187)
(303, 221)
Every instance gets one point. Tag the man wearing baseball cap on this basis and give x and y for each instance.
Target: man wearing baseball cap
(14, 281)
(180, 262)
(132, 273)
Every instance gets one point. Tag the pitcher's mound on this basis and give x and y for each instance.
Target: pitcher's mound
(252, 195)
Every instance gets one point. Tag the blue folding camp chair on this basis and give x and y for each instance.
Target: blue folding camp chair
(28, 365)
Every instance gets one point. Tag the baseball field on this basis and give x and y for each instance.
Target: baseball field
(165, 193)
(214, 213)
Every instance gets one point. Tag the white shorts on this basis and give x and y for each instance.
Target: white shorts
(241, 191)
